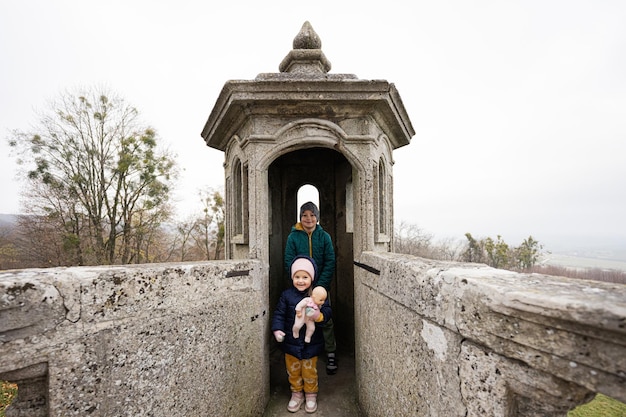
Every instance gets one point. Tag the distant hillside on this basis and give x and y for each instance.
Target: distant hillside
(614, 251)
(8, 219)
(608, 252)
(575, 255)
(582, 262)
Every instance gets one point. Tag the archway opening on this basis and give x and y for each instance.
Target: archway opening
(323, 176)
(306, 193)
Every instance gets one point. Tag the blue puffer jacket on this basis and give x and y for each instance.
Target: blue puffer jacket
(283, 319)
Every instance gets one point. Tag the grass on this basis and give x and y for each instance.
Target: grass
(8, 391)
(600, 406)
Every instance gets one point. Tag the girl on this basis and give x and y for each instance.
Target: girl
(300, 356)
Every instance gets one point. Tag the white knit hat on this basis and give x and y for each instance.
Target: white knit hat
(303, 264)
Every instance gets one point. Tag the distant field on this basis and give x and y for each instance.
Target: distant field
(569, 261)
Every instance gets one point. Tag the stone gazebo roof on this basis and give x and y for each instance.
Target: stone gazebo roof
(304, 88)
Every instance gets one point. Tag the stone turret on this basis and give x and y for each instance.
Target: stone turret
(256, 122)
(305, 126)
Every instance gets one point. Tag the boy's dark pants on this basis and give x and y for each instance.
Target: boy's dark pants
(330, 344)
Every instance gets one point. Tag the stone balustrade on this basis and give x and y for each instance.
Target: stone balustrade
(145, 340)
(432, 339)
(451, 339)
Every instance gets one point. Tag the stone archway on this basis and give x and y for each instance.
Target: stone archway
(331, 173)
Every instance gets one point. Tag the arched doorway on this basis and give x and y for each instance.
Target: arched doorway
(330, 173)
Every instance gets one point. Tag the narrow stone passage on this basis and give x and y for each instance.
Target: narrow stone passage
(336, 397)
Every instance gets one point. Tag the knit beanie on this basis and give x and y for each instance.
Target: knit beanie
(310, 206)
(305, 264)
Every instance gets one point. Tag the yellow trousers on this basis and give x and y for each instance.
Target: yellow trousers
(302, 373)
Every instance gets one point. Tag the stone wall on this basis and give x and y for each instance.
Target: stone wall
(431, 339)
(148, 340)
(449, 339)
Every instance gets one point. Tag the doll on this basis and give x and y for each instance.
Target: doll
(307, 311)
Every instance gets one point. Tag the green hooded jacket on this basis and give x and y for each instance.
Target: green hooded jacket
(318, 245)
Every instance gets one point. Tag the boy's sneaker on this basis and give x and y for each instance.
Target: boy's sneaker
(331, 363)
(310, 406)
(295, 402)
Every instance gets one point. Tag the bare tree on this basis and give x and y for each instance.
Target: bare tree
(209, 228)
(411, 240)
(185, 230)
(448, 249)
(96, 174)
(201, 235)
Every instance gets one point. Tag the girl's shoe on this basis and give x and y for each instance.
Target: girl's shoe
(295, 402)
(310, 406)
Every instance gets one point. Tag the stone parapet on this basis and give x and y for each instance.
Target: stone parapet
(443, 338)
(161, 340)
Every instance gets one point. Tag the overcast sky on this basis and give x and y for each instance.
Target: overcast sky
(519, 107)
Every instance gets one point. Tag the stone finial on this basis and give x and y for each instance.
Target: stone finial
(307, 38)
(306, 57)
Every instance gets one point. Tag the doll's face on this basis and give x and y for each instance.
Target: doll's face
(301, 280)
(318, 295)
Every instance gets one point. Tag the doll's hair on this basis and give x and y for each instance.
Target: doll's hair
(320, 291)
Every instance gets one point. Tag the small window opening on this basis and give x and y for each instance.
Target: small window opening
(306, 193)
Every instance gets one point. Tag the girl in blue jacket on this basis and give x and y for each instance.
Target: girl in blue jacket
(300, 357)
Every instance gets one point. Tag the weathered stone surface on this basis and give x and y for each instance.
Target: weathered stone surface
(494, 385)
(186, 338)
(405, 365)
(29, 307)
(529, 345)
(32, 398)
(432, 339)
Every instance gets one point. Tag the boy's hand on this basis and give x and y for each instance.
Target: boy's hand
(313, 312)
(279, 335)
